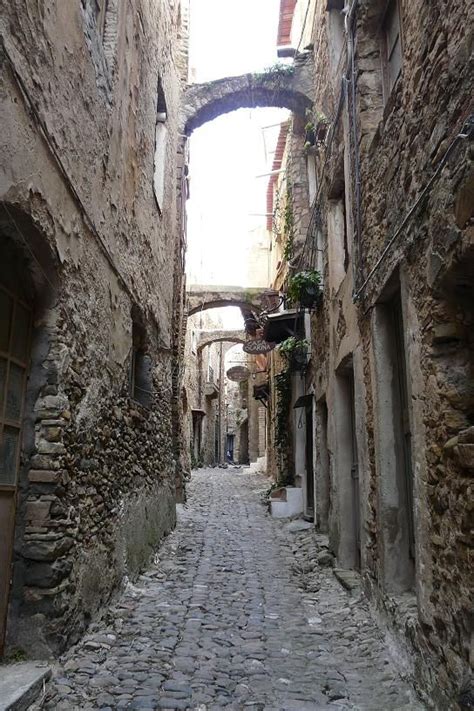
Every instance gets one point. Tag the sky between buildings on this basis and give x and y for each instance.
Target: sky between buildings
(228, 202)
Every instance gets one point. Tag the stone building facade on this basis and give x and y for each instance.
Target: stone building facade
(389, 183)
(203, 391)
(91, 243)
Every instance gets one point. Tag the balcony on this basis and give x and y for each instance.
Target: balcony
(282, 325)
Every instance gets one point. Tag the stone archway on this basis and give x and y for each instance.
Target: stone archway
(206, 338)
(286, 87)
(201, 298)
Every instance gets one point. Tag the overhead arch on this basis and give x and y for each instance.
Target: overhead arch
(283, 88)
(201, 298)
(206, 338)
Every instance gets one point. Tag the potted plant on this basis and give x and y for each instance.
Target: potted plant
(295, 350)
(321, 127)
(309, 135)
(304, 288)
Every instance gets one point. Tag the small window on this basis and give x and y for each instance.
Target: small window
(160, 148)
(312, 177)
(391, 48)
(141, 379)
(100, 12)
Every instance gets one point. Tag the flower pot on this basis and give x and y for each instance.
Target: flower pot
(310, 297)
(298, 359)
(310, 136)
(321, 132)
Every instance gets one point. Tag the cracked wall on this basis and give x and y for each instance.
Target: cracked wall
(97, 481)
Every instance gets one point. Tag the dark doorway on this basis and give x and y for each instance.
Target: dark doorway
(309, 460)
(347, 467)
(323, 485)
(230, 448)
(244, 443)
(15, 328)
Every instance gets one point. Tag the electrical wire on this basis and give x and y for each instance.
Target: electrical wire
(62, 169)
(466, 132)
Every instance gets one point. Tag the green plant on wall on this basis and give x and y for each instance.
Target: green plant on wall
(295, 350)
(292, 344)
(288, 225)
(278, 70)
(315, 130)
(282, 427)
(304, 288)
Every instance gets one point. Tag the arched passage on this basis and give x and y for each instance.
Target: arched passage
(206, 338)
(201, 298)
(288, 87)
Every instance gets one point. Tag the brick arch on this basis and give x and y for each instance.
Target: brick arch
(204, 102)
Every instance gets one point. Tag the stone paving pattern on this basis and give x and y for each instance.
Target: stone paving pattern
(235, 613)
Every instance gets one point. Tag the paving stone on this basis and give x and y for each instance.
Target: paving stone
(235, 613)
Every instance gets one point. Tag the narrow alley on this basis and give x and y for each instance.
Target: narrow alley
(236, 355)
(235, 613)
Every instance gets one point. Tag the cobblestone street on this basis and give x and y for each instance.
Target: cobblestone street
(233, 615)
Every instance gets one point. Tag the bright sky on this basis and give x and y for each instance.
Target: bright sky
(226, 155)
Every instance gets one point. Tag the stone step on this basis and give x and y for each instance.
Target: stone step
(21, 684)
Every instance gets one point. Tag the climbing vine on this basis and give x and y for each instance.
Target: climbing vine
(276, 70)
(288, 225)
(282, 427)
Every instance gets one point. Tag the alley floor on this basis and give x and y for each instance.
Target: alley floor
(234, 613)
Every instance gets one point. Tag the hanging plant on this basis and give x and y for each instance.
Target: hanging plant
(288, 225)
(309, 135)
(304, 288)
(321, 127)
(295, 350)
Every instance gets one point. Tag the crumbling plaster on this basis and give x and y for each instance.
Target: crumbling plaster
(77, 156)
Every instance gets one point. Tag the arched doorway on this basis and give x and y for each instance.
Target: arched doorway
(15, 334)
(26, 281)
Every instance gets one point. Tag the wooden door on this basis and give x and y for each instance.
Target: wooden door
(15, 326)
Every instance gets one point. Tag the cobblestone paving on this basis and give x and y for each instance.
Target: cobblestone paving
(234, 614)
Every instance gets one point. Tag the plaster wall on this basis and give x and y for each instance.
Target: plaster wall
(78, 116)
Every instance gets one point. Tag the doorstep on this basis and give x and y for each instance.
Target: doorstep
(21, 684)
(349, 579)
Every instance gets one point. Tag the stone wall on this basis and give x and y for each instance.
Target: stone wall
(400, 144)
(383, 237)
(97, 487)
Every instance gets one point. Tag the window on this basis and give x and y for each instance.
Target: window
(101, 18)
(312, 178)
(99, 8)
(141, 379)
(160, 148)
(335, 32)
(391, 48)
